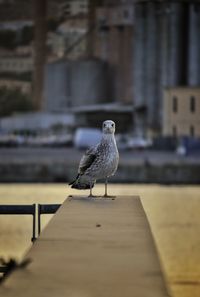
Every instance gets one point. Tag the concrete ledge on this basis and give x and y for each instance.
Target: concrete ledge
(98, 247)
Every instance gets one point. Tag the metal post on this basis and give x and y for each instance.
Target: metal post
(39, 221)
(46, 209)
(33, 237)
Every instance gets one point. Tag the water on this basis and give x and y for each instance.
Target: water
(173, 213)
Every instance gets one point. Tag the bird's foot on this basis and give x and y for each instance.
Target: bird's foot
(91, 196)
(108, 196)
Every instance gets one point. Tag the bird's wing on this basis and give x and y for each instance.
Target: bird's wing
(87, 160)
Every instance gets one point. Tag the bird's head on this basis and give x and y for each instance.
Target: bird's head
(108, 127)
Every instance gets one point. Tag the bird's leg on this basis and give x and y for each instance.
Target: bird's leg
(106, 186)
(106, 192)
(90, 189)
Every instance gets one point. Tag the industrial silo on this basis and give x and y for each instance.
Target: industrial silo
(89, 82)
(57, 93)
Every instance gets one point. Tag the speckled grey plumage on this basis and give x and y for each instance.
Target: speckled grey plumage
(99, 162)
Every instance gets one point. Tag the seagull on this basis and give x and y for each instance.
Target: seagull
(99, 162)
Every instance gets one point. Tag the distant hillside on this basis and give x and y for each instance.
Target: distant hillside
(23, 9)
(16, 10)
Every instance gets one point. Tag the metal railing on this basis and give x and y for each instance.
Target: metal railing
(46, 209)
(27, 210)
(30, 209)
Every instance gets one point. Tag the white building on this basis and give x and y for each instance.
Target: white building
(181, 109)
(74, 7)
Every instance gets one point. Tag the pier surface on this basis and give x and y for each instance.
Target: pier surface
(99, 247)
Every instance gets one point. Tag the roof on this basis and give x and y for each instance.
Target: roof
(115, 107)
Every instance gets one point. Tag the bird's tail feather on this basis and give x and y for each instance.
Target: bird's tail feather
(74, 180)
(81, 183)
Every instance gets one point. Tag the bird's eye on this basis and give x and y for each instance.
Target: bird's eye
(112, 125)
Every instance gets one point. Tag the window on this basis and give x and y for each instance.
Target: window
(174, 131)
(175, 104)
(192, 104)
(192, 131)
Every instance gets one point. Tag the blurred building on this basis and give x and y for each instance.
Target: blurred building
(16, 63)
(15, 25)
(56, 44)
(114, 44)
(11, 10)
(148, 46)
(23, 9)
(166, 53)
(181, 111)
(71, 84)
(74, 7)
(73, 32)
(23, 86)
(87, 84)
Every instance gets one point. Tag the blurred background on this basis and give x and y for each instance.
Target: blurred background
(68, 65)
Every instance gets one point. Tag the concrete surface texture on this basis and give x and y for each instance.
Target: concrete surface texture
(92, 247)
